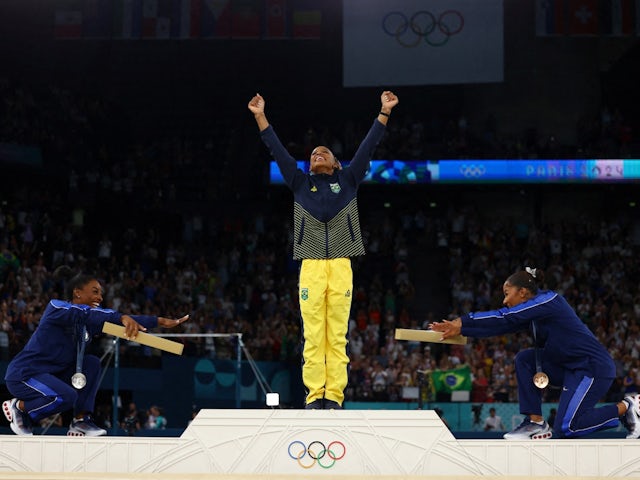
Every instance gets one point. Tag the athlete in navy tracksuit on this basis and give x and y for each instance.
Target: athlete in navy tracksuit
(39, 377)
(567, 351)
(326, 234)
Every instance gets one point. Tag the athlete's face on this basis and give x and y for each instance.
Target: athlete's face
(90, 294)
(513, 295)
(322, 160)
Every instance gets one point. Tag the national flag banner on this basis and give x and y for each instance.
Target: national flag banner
(306, 20)
(163, 27)
(422, 42)
(583, 17)
(275, 24)
(97, 18)
(618, 17)
(216, 19)
(156, 18)
(452, 380)
(68, 24)
(245, 19)
(149, 18)
(127, 19)
(551, 17)
(186, 19)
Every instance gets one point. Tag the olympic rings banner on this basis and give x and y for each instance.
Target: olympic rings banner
(492, 171)
(422, 42)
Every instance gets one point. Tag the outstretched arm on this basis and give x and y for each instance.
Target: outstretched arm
(448, 328)
(256, 106)
(132, 326)
(388, 100)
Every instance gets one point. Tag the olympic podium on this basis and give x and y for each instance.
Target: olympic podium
(281, 443)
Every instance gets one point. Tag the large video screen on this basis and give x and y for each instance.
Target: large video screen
(492, 171)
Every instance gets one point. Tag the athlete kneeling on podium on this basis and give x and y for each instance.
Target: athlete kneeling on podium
(43, 375)
(565, 354)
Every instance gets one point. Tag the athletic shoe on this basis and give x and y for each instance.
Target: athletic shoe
(632, 416)
(332, 405)
(529, 430)
(19, 421)
(85, 426)
(315, 405)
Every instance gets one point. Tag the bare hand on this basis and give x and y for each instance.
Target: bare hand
(256, 104)
(131, 327)
(170, 322)
(449, 328)
(388, 100)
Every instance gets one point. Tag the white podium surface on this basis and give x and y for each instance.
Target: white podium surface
(274, 443)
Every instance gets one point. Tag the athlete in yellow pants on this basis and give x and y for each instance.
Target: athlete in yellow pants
(327, 234)
(325, 302)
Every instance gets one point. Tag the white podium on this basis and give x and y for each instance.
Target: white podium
(384, 444)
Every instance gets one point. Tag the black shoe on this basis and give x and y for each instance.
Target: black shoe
(315, 405)
(332, 405)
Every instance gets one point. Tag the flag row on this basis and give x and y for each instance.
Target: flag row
(187, 19)
(588, 17)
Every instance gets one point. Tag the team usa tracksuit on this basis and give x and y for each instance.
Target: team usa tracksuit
(40, 375)
(569, 353)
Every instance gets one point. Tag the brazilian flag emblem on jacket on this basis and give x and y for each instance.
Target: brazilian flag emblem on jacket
(450, 380)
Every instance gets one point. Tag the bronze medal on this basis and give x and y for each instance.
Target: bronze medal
(540, 380)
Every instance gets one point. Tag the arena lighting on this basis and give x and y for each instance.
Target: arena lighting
(387, 172)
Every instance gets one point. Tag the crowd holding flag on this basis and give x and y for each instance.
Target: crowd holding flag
(447, 381)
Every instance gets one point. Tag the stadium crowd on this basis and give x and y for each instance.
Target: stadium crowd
(234, 273)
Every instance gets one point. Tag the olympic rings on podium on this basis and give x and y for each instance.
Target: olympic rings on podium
(317, 452)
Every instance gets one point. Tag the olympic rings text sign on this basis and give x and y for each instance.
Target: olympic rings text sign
(422, 42)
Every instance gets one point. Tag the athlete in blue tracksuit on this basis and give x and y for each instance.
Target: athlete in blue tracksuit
(326, 234)
(567, 352)
(39, 377)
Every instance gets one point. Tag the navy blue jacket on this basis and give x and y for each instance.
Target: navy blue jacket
(326, 219)
(53, 345)
(564, 339)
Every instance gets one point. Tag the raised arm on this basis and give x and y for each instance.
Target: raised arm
(256, 105)
(388, 100)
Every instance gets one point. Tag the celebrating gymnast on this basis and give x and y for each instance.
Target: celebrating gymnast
(43, 375)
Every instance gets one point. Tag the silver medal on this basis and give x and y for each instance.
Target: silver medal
(78, 380)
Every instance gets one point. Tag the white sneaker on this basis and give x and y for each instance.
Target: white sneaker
(529, 430)
(19, 421)
(85, 426)
(632, 416)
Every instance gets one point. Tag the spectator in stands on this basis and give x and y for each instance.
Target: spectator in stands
(493, 422)
(156, 419)
(564, 349)
(131, 421)
(40, 376)
(327, 234)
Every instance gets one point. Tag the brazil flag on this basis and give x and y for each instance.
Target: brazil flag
(450, 380)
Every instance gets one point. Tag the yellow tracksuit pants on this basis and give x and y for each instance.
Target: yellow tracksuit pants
(325, 303)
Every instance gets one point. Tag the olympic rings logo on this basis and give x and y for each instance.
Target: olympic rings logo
(326, 457)
(408, 32)
(472, 170)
